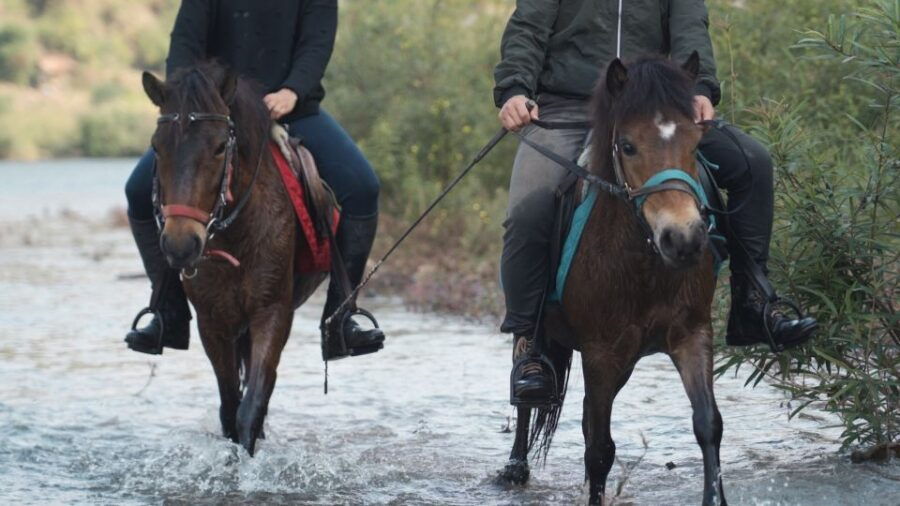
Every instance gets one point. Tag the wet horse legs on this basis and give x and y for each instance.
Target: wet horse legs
(694, 363)
(602, 383)
(269, 332)
(516, 471)
(222, 353)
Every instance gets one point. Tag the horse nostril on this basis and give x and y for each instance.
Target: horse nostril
(197, 244)
(667, 240)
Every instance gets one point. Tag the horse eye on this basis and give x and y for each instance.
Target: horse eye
(629, 149)
(221, 149)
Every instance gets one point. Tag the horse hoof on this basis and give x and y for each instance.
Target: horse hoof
(250, 447)
(516, 472)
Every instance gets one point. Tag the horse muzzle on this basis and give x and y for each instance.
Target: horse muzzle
(681, 246)
(182, 243)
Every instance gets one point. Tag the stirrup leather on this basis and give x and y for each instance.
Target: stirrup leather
(549, 370)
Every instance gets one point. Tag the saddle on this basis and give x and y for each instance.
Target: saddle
(574, 201)
(313, 201)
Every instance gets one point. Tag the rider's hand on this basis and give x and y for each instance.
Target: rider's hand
(281, 102)
(703, 109)
(515, 114)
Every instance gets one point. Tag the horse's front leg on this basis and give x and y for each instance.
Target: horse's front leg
(516, 471)
(693, 358)
(602, 380)
(222, 354)
(269, 329)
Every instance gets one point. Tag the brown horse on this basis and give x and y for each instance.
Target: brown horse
(642, 279)
(221, 193)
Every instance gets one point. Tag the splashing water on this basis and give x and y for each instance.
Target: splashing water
(84, 420)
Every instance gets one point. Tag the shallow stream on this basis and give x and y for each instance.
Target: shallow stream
(83, 420)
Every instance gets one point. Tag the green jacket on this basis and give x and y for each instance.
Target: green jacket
(563, 46)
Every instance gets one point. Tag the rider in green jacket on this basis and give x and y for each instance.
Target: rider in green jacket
(553, 52)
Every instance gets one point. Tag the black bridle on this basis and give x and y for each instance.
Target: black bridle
(215, 220)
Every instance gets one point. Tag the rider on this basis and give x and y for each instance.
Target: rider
(552, 53)
(285, 47)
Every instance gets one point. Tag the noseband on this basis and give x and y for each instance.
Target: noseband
(668, 179)
(215, 219)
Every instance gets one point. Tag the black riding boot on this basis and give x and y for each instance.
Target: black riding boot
(753, 321)
(354, 240)
(174, 329)
(532, 382)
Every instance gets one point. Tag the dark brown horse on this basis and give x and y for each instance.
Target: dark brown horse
(642, 280)
(214, 165)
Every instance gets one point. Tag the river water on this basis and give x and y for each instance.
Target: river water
(83, 420)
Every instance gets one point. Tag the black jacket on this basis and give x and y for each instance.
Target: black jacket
(279, 43)
(562, 46)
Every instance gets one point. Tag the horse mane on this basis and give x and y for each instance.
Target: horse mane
(198, 89)
(654, 84)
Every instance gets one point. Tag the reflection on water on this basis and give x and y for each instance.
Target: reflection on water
(84, 420)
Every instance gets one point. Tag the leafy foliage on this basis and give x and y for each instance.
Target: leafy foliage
(837, 241)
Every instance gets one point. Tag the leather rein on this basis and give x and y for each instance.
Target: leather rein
(216, 219)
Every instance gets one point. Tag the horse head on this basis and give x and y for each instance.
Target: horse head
(646, 140)
(196, 152)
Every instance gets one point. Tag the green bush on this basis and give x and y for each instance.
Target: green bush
(18, 54)
(837, 243)
(115, 129)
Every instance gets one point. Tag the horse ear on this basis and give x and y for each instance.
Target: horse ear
(616, 77)
(154, 88)
(692, 65)
(228, 89)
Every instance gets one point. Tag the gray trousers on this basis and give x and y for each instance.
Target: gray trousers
(529, 217)
(532, 189)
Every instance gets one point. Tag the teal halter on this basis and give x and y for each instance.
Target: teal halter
(671, 178)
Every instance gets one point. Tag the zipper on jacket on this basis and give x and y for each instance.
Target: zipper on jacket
(619, 33)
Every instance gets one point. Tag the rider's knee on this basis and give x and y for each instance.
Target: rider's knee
(761, 164)
(529, 222)
(361, 198)
(139, 187)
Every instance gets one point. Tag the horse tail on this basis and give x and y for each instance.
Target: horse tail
(544, 421)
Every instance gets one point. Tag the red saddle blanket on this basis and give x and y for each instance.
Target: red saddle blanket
(313, 248)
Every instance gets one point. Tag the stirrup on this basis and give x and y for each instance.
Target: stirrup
(162, 327)
(344, 351)
(552, 401)
(767, 320)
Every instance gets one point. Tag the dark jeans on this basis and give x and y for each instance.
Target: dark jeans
(341, 164)
(526, 241)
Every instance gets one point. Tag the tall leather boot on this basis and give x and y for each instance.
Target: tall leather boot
(354, 240)
(173, 331)
(755, 318)
(753, 321)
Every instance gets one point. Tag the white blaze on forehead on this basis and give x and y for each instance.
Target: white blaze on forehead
(666, 128)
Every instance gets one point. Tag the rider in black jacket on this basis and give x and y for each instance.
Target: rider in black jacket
(284, 46)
